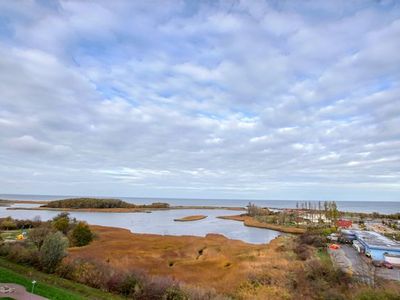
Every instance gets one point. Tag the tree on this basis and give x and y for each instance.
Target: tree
(61, 222)
(8, 224)
(38, 235)
(52, 251)
(334, 211)
(81, 234)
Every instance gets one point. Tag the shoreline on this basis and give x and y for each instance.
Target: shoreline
(125, 210)
(251, 222)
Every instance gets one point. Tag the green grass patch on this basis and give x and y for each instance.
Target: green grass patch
(49, 286)
(323, 255)
(10, 234)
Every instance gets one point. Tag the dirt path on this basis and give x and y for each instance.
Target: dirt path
(19, 293)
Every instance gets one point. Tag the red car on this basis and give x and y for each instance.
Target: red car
(387, 265)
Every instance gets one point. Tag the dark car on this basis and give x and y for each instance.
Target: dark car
(387, 265)
(377, 263)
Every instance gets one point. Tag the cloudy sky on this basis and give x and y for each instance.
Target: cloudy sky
(203, 99)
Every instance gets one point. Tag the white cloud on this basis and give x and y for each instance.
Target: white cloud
(220, 99)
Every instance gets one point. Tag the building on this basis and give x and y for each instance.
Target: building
(344, 223)
(358, 246)
(347, 236)
(377, 245)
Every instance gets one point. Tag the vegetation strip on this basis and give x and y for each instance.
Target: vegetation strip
(191, 218)
(49, 286)
(251, 222)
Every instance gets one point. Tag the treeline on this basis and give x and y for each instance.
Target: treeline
(99, 203)
(12, 224)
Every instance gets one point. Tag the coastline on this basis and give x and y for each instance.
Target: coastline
(251, 222)
(112, 210)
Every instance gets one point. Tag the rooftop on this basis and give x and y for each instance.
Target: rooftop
(376, 240)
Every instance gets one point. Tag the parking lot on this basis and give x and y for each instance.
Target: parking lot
(358, 265)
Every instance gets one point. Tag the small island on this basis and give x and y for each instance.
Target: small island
(191, 218)
(94, 205)
(99, 203)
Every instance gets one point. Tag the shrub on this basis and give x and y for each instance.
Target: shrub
(155, 287)
(174, 293)
(65, 270)
(130, 286)
(62, 222)
(81, 235)
(8, 224)
(303, 252)
(315, 240)
(4, 249)
(91, 274)
(38, 235)
(52, 251)
(199, 293)
(23, 255)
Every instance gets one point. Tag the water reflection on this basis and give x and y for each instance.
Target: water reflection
(160, 222)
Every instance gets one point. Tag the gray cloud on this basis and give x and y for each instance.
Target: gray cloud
(239, 99)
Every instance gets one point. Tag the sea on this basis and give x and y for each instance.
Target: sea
(384, 207)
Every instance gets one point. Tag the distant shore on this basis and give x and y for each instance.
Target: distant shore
(111, 210)
(251, 222)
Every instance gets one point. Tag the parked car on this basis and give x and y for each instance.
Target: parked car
(377, 263)
(387, 265)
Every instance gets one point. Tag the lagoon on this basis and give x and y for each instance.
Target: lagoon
(160, 222)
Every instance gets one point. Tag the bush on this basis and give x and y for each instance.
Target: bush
(174, 293)
(155, 287)
(8, 224)
(53, 251)
(315, 240)
(130, 286)
(81, 235)
(62, 222)
(65, 270)
(4, 249)
(38, 235)
(91, 274)
(303, 252)
(20, 254)
(199, 293)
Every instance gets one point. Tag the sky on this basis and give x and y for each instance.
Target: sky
(201, 99)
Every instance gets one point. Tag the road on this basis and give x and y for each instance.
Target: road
(358, 265)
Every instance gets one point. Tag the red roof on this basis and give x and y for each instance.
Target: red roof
(344, 223)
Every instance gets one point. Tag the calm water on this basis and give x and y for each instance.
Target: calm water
(161, 222)
(384, 207)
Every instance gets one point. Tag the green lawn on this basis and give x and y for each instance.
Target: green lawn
(10, 234)
(49, 286)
